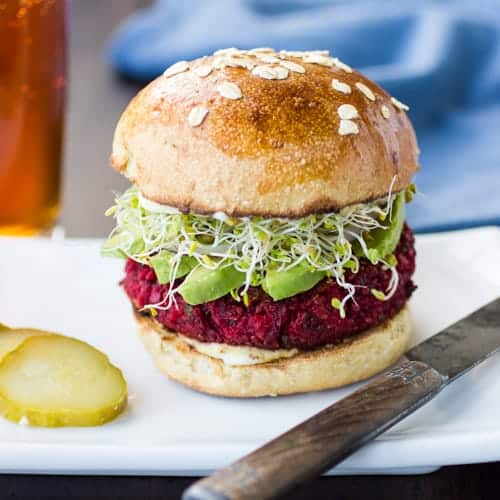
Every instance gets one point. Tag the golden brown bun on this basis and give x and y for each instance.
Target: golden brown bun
(357, 358)
(276, 151)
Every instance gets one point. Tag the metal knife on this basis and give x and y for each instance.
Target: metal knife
(327, 438)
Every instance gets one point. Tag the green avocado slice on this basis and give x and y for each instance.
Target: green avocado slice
(282, 284)
(160, 262)
(382, 242)
(203, 285)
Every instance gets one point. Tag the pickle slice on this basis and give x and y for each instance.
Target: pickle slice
(53, 381)
(11, 339)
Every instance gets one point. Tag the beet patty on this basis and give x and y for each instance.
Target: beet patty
(305, 321)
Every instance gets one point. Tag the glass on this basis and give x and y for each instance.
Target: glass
(32, 94)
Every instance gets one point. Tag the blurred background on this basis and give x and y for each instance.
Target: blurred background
(440, 57)
(96, 98)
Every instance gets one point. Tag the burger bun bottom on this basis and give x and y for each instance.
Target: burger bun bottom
(352, 360)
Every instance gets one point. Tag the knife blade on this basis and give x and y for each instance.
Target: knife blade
(463, 345)
(329, 437)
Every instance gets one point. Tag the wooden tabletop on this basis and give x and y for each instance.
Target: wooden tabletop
(471, 482)
(97, 98)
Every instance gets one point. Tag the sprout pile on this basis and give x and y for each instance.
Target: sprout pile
(328, 242)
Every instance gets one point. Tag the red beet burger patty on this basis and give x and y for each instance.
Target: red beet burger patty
(305, 321)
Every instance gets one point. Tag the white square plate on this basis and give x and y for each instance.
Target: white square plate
(171, 430)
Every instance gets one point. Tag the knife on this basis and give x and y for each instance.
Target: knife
(329, 437)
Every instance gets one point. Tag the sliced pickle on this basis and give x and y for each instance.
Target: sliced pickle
(53, 381)
(11, 339)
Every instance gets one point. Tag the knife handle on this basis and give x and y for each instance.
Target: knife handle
(325, 439)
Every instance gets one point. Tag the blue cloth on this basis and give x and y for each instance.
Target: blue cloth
(442, 58)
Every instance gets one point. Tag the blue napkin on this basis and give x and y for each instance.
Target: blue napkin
(442, 58)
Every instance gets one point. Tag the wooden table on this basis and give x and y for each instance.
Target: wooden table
(96, 101)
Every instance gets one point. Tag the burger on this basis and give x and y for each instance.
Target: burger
(264, 233)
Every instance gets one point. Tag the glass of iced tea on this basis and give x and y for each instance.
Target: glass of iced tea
(32, 92)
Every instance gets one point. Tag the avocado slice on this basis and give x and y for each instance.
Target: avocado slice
(382, 242)
(160, 262)
(282, 284)
(203, 285)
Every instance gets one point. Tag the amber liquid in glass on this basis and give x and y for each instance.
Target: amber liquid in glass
(32, 91)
